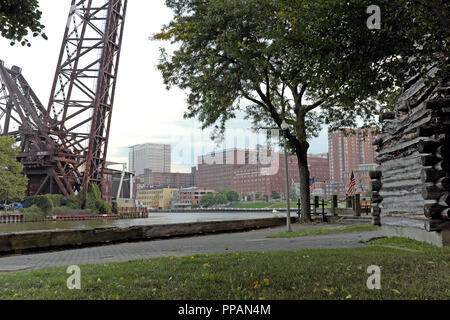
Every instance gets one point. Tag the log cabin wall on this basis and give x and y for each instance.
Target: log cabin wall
(412, 184)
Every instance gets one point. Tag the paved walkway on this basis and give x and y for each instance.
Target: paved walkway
(220, 243)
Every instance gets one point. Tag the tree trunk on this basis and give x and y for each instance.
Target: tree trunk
(305, 198)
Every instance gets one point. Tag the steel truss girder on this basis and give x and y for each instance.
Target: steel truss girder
(82, 95)
(64, 146)
(21, 116)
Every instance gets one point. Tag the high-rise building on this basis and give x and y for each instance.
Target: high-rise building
(319, 167)
(155, 157)
(348, 149)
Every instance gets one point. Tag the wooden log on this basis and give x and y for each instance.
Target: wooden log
(429, 160)
(429, 146)
(446, 213)
(443, 184)
(437, 104)
(378, 142)
(376, 175)
(427, 131)
(442, 166)
(431, 192)
(376, 185)
(376, 198)
(431, 175)
(387, 116)
(443, 152)
(444, 200)
(433, 210)
(437, 225)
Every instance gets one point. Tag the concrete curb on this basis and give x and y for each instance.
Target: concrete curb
(39, 240)
(437, 239)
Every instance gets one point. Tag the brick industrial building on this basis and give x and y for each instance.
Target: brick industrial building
(173, 179)
(189, 197)
(253, 173)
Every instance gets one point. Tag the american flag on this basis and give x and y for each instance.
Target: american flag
(351, 185)
(313, 185)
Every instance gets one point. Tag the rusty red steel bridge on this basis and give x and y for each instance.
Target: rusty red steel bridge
(63, 145)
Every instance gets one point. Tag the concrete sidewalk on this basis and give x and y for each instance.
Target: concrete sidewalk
(177, 247)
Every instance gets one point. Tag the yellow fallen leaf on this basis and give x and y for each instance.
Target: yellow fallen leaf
(396, 291)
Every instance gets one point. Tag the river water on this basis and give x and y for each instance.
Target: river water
(157, 218)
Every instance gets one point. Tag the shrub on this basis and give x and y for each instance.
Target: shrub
(93, 196)
(207, 200)
(28, 202)
(72, 202)
(44, 203)
(103, 206)
(56, 199)
(33, 213)
(114, 207)
(232, 195)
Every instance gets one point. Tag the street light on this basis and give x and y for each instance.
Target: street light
(284, 128)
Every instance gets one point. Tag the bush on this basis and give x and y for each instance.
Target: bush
(232, 195)
(275, 195)
(72, 202)
(44, 202)
(103, 206)
(28, 202)
(56, 199)
(114, 207)
(33, 213)
(93, 196)
(207, 200)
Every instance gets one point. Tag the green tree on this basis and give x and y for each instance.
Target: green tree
(19, 18)
(232, 196)
(275, 195)
(221, 198)
(300, 62)
(207, 200)
(13, 183)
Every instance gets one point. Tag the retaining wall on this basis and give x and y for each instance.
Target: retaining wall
(68, 238)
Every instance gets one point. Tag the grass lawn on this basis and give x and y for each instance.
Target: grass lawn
(268, 205)
(258, 205)
(306, 274)
(323, 231)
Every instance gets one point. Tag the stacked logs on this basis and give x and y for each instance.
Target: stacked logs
(414, 156)
(375, 182)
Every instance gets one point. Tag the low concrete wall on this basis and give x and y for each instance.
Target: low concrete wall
(438, 239)
(66, 238)
(342, 211)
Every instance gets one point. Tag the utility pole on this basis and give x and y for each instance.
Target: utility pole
(284, 127)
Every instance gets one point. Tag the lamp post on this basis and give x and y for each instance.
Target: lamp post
(284, 127)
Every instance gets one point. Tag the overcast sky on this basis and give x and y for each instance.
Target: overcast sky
(144, 111)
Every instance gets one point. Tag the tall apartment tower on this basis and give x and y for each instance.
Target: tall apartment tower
(155, 157)
(347, 151)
